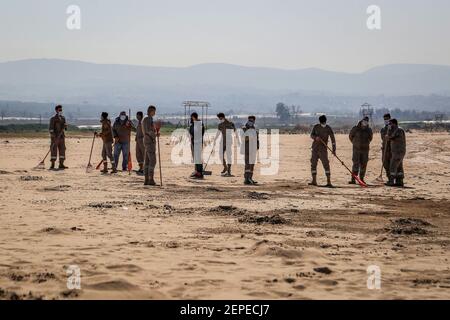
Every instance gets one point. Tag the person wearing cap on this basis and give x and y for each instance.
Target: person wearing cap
(225, 128)
(57, 128)
(107, 138)
(249, 148)
(360, 136)
(140, 148)
(197, 131)
(122, 132)
(150, 135)
(397, 142)
(320, 134)
(385, 147)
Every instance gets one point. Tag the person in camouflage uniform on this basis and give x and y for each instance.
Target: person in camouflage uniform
(197, 132)
(397, 141)
(386, 148)
(250, 147)
(360, 136)
(140, 148)
(320, 134)
(57, 128)
(107, 138)
(224, 126)
(150, 134)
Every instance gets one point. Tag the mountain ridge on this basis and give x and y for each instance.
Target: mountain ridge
(75, 81)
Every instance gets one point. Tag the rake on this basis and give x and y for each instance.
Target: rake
(41, 165)
(360, 182)
(209, 173)
(89, 165)
(379, 180)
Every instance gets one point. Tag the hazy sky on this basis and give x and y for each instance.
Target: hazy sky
(291, 34)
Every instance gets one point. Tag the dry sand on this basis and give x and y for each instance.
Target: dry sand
(217, 239)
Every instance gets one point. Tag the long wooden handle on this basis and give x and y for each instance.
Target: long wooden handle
(159, 163)
(92, 148)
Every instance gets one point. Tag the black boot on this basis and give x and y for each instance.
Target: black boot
(329, 185)
(52, 166)
(149, 181)
(251, 179)
(399, 182)
(353, 181)
(225, 169)
(105, 167)
(62, 166)
(314, 180)
(391, 182)
(362, 176)
(247, 179)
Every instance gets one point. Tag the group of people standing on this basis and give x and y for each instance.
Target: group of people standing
(393, 150)
(117, 137)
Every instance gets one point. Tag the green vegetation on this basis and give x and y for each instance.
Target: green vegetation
(30, 127)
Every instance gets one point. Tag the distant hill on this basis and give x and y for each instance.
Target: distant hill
(225, 86)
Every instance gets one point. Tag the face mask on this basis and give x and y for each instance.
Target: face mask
(123, 118)
(386, 122)
(323, 125)
(221, 120)
(364, 123)
(60, 113)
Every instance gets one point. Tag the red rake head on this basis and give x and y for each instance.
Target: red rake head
(158, 126)
(360, 182)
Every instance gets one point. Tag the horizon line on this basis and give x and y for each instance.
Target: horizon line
(224, 64)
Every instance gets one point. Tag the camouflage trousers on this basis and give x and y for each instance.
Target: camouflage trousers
(396, 165)
(107, 153)
(360, 159)
(150, 159)
(140, 151)
(58, 145)
(322, 155)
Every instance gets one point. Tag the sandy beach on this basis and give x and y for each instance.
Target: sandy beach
(218, 239)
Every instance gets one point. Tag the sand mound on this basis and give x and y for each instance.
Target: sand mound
(408, 226)
(112, 285)
(273, 219)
